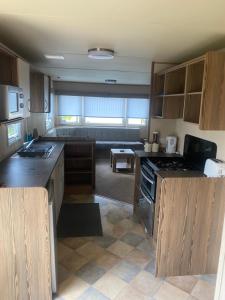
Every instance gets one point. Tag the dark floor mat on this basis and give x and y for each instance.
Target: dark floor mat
(79, 219)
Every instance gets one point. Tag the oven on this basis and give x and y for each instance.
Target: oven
(146, 203)
(148, 178)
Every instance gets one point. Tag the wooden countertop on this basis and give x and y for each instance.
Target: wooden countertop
(141, 153)
(17, 171)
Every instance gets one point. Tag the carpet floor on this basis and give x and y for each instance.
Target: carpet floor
(119, 186)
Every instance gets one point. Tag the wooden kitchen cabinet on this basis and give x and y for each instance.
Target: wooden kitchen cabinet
(8, 67)
(25, 244)
(193, 90)
(188, 225)
(24, 82)
(58, 182)
(79, 167)
(39, 93)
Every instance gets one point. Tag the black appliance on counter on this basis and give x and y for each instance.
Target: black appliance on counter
(195, 153)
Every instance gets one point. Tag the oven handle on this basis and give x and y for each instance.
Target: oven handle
(149, 180)
(150, 201)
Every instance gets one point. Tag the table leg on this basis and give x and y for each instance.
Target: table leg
(111, 159)
(132, 164)
(114, 163)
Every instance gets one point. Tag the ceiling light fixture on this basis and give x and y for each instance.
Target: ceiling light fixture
(50, 56)
(100, 53)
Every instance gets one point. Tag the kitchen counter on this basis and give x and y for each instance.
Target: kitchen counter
(141, 153)
(176, 174)
(17, 171)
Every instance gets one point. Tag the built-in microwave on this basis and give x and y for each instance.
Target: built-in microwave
(11, 102)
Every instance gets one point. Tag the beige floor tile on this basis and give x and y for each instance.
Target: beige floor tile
(74, 262)
(90, 250)
(186, 283)
(129, 293)
(72, 288)
(170, 292)
(203, 290)
(138, 229)
(110, 285)
(74, 243)
(139, 258)
(118, 231)
(107, 261)
(63, 251)
(127, 224)
(120, 249)
(146, 283)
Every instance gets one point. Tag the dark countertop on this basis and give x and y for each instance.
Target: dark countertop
(141, 153)
(17, 171)
(176, 174)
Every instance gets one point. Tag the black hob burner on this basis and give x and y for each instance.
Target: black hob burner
(175, 165)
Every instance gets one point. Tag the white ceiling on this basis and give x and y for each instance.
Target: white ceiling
(140, 31)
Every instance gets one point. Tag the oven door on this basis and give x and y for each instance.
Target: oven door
(148, 182)
(146, 211)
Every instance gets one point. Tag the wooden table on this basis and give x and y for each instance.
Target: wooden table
(126, 154)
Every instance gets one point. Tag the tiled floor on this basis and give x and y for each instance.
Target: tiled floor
(120, 265)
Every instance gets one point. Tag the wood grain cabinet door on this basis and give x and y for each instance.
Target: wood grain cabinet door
(58, 178)
(40, 93)
(213, 98)
(190, 221)
(8, 67)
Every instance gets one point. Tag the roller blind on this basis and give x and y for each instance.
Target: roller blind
(138, 108)
(69, 105)
(104, 107)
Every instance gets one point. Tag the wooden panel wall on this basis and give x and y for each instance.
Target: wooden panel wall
(190, 226)
(24, 244)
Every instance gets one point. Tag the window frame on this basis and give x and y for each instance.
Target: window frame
(82, 122)
(18, 137)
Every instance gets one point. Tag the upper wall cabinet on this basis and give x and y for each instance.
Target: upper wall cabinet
(24, 82)
(194, 91)
(39, 93)
(8, 67)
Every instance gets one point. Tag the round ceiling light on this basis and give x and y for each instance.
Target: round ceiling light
(100, 53)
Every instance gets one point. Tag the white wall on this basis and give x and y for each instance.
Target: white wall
(217, 137)
(165, 127)
(37, 120)
(34, 121)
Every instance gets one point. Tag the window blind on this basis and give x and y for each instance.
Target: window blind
(138, 108)
(102, 107)
(69, 105)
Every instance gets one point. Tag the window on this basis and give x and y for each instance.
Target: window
(104, 121)
(136, 121)
(109, 111)
(70, 120)
(69, 106)
(51, 115)
(14, 133)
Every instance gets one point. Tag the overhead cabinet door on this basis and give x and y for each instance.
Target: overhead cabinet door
(212, 115)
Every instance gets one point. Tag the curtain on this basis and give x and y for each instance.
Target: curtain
(102, 107)
(69, 105)
(138, 108)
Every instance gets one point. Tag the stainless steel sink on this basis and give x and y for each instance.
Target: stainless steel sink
(36, 150)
